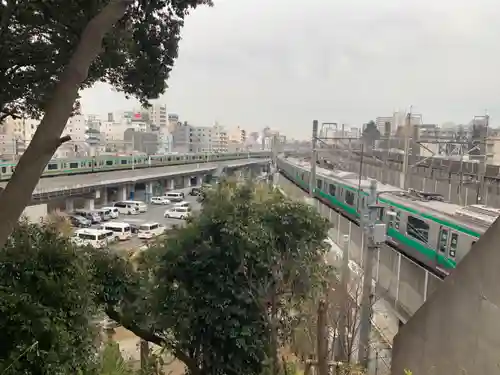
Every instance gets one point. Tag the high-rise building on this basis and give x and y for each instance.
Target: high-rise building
(158, 115)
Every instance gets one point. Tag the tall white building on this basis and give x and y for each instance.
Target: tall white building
(158, 115)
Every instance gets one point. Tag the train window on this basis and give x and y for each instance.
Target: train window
(4, 170)
(52, 166)
(418, 229)
(349, 198)
(319, 184)
(109, 162)
(332, 189)
(123, 161)
(443, 240)
(73, 165)
(453, 245)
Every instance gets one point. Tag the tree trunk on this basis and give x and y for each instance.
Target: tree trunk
(144, 354)
(17, 195)
(322, 345)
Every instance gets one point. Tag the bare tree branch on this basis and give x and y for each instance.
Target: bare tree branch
(47, 137)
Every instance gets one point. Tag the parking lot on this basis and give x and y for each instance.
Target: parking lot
(154, 214)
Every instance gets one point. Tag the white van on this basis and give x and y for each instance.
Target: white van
(141, 206)
(126, 208)
(183, 204)
(114, 212)
(150, 230)
(121, 231)
(175, 196)
(178, 213)
(94, 237)
(110, 236)
(160, 200)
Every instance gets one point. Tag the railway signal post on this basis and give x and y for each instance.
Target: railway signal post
(374, 235)
(314, 158)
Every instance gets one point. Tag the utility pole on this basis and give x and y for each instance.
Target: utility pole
(360, 171)
(406, 160)
(314, 158)
(374, 234)
(341, 354)
(482, 162)
(322, 334)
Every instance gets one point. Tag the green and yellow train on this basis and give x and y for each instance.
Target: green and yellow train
(422, 226)
(104, 163)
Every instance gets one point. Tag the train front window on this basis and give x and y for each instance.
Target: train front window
(319, 184)
(418, 229)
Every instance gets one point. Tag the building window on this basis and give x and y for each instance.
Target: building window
(418, 229)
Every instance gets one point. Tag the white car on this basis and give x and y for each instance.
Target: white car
(114, 211)
(178, 213)
(160, 200)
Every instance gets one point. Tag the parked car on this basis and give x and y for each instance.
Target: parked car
(79, 221)
(104, 213)
(160, 200)
(178, 213)
(93, 216)
(195, 191)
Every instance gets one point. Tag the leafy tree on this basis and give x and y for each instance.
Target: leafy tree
(50, 52)
(370, 133)
(112, 362)
(46, 305)
(221, 292)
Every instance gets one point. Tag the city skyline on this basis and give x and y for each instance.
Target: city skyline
(346, 62)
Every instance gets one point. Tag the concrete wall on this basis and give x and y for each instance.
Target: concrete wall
(457, 331)
(35, 213)
(439, 183)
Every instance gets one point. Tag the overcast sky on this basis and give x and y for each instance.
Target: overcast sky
(283, 63)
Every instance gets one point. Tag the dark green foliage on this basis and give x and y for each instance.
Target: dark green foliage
(216, 294)
(38, 37)
(215, 278)
(46, 304)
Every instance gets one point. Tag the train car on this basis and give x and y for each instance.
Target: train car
(59, 167)
(435, 233)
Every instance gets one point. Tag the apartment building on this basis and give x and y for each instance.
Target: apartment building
(158, 115)
(190, 138)
(143, 142)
